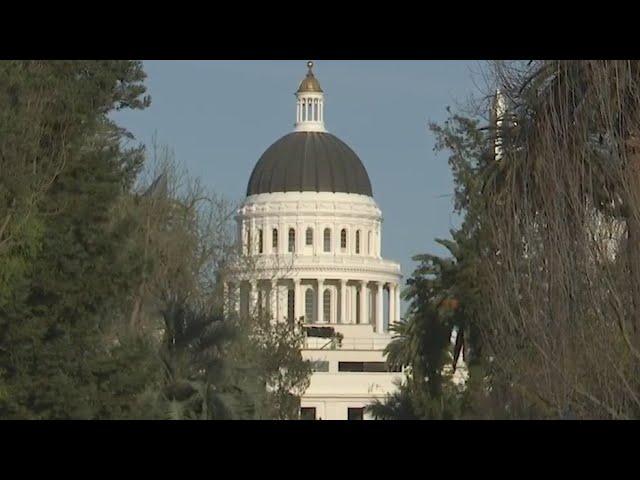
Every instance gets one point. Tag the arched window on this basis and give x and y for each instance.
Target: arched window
(327, 240)
(326, 306)
(249, 240)
(308, 306)
(260, 244)
(358, 241)
(292, 240)
(343, 239)
(274, 239)
(358, 319)
(291, 303)
(309, 236)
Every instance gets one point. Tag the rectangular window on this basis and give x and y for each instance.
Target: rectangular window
(320, 366)
(274, 239)
(291, 303)
(363, 367)
(355, 414)
(309, 237)
(260, 244)
(308, 307)
(307, 413)
(292, 240)
(326, 306)
(327, 240)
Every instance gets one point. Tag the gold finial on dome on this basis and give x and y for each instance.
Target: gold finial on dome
(310, 82)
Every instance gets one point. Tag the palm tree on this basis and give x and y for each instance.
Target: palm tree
(442, 292)
(590, 112)
(193, 354)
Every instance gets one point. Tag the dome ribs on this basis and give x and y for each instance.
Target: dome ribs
(330, 160)
(268, 173)
(346, 174)
(309, 161)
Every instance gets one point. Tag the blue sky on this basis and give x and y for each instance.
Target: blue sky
(220, 116)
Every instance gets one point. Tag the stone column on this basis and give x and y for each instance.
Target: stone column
(319, 301)
(343, 301)
(397, 302)
(238, 295)
(283, 235)
(253, 298)
(272, 306)
(266, 238)
(364, 314)
(297, 299)
(226, 306)
(379, 307)
(392, 303)
(253, 238)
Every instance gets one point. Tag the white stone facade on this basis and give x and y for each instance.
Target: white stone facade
(325, 268)
(307, 241)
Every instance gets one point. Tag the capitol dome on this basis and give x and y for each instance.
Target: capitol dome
(309, 162)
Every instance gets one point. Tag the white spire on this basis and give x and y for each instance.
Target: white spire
(310, 104)
(499, 111)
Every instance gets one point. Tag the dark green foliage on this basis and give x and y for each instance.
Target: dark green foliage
(109, 300)
(193, 354)
(55, 333)
(445, 296)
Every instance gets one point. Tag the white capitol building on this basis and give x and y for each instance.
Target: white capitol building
(312, 232)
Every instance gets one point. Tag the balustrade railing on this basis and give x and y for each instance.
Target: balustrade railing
(313, 343)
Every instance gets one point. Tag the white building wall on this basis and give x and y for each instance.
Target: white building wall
(333, 392)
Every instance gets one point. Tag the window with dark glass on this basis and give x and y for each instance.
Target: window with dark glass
(326, 305)
(355, 414)
(260, 244)
(291, 303)
(274, 238)
(358, 241)
(327, 240)
(308, 306)
(292, 240)
(343, 238)
(371, 367)
(309, 237)
(320, 366)
(307, 413)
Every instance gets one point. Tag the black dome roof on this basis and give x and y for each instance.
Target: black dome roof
(309, 162)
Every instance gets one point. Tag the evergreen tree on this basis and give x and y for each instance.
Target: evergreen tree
(52, 334)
